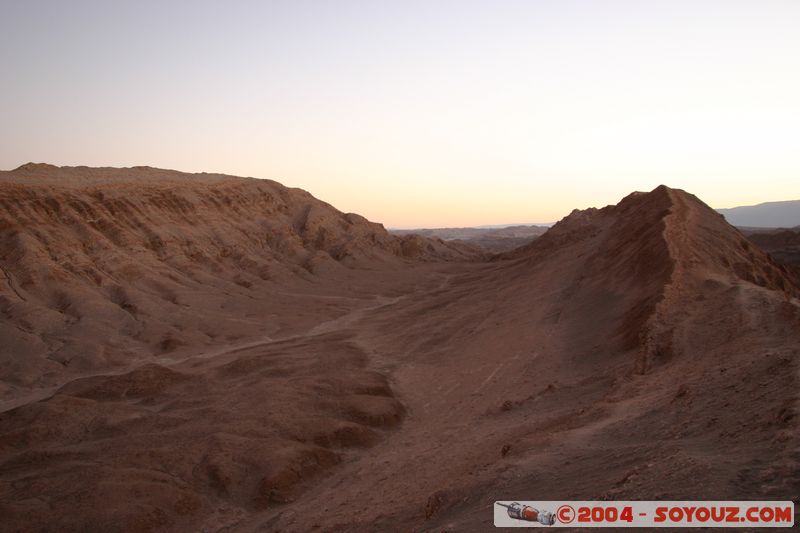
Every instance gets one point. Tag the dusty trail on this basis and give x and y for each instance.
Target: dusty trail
(401, 395)
(335, 338)
(341, 323)
(518, 413)
(387, 471)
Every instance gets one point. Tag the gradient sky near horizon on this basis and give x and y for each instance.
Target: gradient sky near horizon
(417, 113)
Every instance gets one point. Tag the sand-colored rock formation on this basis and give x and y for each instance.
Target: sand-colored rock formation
(103, 267)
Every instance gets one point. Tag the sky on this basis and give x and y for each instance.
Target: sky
(417, 113)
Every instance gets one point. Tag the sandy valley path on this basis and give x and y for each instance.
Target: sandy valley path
(209, 353)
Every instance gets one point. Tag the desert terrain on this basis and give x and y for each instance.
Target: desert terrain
(783, 244)
(200, 352)
(491, 240)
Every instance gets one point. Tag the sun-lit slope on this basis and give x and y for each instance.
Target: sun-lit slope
(101, 266)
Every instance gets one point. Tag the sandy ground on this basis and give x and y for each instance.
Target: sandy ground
(641, 351)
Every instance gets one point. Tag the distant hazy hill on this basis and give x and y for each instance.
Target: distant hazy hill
(490, 238)
(766, 215)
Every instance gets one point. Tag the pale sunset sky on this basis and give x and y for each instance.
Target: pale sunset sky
(417, 113)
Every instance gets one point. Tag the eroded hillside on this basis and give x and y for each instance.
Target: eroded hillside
(641, 351)
(102, 267)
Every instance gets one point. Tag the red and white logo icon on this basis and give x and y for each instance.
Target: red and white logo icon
(565, 514)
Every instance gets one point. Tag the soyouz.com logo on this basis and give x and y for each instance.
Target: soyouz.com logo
(644, 514)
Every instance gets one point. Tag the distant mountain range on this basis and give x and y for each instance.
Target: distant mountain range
(503, 238)
(493, 239)
(767, 215)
